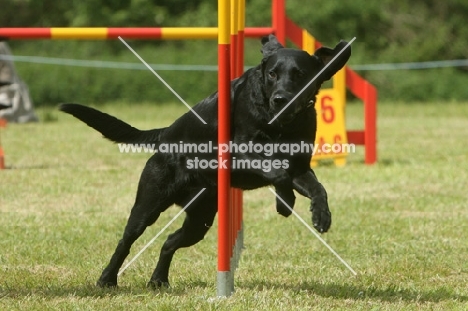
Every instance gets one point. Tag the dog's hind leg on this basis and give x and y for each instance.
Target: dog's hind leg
(149, 204)
(133, 231)
(198, 221)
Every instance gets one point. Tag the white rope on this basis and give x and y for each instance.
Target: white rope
(214, 68)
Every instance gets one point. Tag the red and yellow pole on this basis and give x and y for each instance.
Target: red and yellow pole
(238, 70)
(104, 33)
(225, 281)
(152, 33)
(240, 38)
(233, 74)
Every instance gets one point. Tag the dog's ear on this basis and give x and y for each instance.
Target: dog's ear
(326, 55)
(270, 45)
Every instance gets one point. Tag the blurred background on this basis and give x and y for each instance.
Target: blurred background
(428, 34)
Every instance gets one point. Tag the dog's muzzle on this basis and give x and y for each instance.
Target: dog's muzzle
(287, 116)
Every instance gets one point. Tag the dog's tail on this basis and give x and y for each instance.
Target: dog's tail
(110, 127)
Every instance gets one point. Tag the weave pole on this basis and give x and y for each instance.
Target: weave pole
(225, 280)
(237, 68)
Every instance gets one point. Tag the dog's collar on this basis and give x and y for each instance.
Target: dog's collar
(310, 103)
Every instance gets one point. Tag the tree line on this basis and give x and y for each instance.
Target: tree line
(387, 31)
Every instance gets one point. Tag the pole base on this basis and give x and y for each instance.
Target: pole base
(225, 283)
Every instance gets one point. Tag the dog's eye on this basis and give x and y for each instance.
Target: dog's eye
(300, 75)
(272, 75)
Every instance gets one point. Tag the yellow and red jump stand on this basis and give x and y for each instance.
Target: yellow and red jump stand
(330, 107)
(331, 103)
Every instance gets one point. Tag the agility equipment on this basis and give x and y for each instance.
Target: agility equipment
(230, 34)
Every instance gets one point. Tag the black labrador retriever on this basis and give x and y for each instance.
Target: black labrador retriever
(257, 97)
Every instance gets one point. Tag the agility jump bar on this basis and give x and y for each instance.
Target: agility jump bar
(108, 33)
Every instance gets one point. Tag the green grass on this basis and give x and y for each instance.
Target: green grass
(401, 224)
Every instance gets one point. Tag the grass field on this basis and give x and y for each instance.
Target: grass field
(401, 224)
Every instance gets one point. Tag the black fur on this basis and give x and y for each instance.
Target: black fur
(257, 96)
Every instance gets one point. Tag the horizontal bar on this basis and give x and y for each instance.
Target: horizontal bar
(189, 33)
(78, 33)
(256, 32)
(25, 33)
(134, 33)
(103, 33)
(355, 83)
(356, 137)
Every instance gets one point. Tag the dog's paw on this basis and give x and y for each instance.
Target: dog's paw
(321, 216)
(157, 284)
(106, 284)
(107, 279)
(285, 203)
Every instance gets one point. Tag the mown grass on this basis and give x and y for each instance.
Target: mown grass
(401, 224)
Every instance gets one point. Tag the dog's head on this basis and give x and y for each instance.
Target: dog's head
(285, 72)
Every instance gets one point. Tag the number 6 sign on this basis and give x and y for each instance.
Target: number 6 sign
(327, 111)
(331, 131)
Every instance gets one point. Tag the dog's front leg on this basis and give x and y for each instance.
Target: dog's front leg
(308, 185)
(285, 199)
(280, 179)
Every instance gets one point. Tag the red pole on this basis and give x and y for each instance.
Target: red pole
(240, 39)
(239, 70)
(370, 123)
(278, 16)
(223, 134)
(233, 75)
(2, 159)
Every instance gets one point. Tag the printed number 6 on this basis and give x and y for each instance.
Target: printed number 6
(328, 113)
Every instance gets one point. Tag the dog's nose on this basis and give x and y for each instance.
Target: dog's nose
(279, 100)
